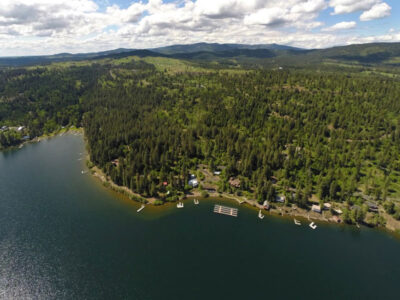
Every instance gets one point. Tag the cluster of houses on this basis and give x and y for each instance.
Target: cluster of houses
(17, 128)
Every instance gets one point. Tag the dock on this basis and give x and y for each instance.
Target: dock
(225, 210)
(141, 208)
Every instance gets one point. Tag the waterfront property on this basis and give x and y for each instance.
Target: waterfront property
(316, 208)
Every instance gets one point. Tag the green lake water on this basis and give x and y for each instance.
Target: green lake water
(64, 236)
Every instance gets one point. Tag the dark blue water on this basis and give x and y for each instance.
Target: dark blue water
(64, 236)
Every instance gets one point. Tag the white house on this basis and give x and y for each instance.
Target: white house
(280, 199)
(316, 208)
(193, 182)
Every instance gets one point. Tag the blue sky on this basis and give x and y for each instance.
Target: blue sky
(31, 27)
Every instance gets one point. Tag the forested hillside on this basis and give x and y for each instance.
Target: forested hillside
(330, 136)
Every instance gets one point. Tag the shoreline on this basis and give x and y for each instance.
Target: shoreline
(279, 211)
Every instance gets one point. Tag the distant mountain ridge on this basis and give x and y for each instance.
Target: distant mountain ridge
(362, 54)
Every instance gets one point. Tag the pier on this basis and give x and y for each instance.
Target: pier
(225, 210)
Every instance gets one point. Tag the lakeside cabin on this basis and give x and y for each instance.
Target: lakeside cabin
(193, 182)
(316, 208)
(280, 199)
(372, 206)
(234, 182)
(327, 206)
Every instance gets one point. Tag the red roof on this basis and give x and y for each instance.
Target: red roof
(165, 183)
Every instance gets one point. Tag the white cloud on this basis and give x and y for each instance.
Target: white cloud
(378, 11)
(350, 6)
(341, 26)
(51, 26)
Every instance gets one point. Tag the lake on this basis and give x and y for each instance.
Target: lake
(64, 236)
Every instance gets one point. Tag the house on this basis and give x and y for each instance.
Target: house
(235, 182)
(327, 206)
(217, 172)
(316, 208)
(20, 128)
(338, 211)
(4, 128)
(115, 162)
(280, 199)
(372, 206)
(266, 205)
(26, 137)
(165, 183)
(193, 182)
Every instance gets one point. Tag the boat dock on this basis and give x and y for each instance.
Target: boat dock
(225, 210)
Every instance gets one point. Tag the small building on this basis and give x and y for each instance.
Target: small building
(20, 128)
(4, 128)
(165, 183)
(115, 162)
(26, 137)
(316, 208)
(338, 211)
(235, 182)
(217, 172)
(193, 182)
(372, 206)
(327, 206)
(266, 205)
(280, 199)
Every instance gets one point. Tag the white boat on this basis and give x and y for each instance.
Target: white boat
(297, 222)
(84, 172)
(179, 205)
(141, 208)
(260, 215)
(312, 225)
(196, 202)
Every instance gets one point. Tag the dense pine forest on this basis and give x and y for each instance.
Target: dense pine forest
(308, 134)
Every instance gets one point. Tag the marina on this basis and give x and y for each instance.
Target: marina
(225, 210)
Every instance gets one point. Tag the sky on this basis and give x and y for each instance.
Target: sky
(41, 27)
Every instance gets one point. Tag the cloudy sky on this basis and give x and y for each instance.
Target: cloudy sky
(31, 27)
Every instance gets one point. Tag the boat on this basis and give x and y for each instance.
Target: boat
(179, 205)
(297, 222)
(84, 172)
(260, 215)
(196, 202)
(312, 225)
(141, 208)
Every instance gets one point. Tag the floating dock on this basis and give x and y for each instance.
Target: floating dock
(225, 210)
